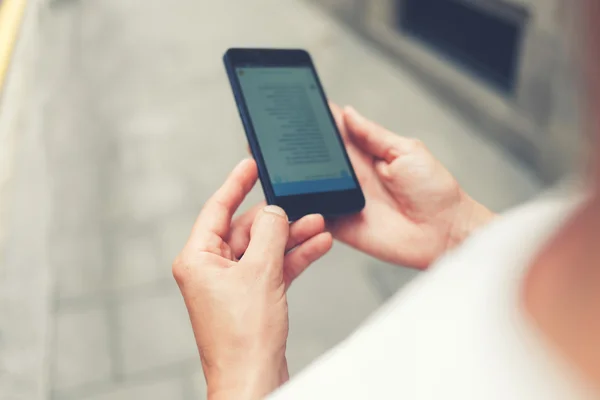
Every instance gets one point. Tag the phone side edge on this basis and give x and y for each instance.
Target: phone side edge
(323, 94)
(248, 129)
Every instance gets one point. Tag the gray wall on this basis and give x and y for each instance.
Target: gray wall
(539, 123)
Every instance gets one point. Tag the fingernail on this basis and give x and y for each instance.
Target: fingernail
(275, 210)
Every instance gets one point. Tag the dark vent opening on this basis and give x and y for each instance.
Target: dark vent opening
(484, 42)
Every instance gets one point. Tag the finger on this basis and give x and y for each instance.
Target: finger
(301, 257)
(338, 116)
(300, 231)
(239, 236)
(268, 238)
(249, 150)
(216, 215)
(304, 229)
(371, 137)
(359, 158)
(383, 170)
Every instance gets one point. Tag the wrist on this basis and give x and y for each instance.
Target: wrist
(248, 380)
(470, 216)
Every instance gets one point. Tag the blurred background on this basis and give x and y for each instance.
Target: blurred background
(117, 121)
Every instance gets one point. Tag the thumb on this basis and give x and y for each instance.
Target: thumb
(372, 138)
(268, 237)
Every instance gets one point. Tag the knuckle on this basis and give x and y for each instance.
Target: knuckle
(186, 265)
(271, 268)
(412, 145)
(417, 143)
(180, 269)
(309, 257)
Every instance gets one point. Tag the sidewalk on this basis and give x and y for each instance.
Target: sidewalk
(140, 127)
(24, 268)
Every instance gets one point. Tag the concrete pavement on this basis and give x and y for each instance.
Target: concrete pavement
(140, 127)
(25, 277)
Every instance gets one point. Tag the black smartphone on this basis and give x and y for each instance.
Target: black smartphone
(302, 162)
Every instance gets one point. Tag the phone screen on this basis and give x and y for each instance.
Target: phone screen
(297, 138)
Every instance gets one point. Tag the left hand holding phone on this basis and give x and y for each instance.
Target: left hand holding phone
(416, 210)
(233, 275)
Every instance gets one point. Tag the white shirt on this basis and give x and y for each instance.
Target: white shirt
(456, 332)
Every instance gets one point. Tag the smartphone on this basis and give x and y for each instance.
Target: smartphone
(302, 162)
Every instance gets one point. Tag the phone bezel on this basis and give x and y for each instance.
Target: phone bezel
(329, 204)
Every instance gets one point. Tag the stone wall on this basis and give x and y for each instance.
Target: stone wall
(539, 122)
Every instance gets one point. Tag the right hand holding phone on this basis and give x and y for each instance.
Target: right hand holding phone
(415, 209)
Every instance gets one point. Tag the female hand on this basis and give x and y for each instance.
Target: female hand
(233, 277)
(415, 209)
